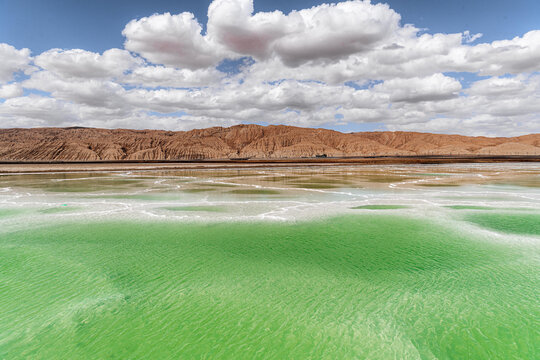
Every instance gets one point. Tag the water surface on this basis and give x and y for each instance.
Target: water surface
(412, 262)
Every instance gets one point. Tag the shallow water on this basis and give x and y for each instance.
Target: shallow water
(333, 262)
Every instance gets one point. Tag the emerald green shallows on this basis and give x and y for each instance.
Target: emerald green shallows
(528, 224)
(366, 286)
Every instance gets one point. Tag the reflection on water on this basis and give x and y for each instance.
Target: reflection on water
(283, 194)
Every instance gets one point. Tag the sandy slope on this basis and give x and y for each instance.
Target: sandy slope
(243, 141)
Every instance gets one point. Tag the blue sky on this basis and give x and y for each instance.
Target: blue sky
(41, 25)
(470, 67)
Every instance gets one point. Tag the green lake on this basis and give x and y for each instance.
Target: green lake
(272, 265)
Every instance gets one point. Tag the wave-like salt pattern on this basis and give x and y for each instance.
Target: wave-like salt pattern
(288, 194)
(346, 287)
(410, 262)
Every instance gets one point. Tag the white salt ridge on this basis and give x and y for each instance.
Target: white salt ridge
(290, 204)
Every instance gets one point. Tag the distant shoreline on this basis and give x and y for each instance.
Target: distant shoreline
(254, 144)
(10, 167)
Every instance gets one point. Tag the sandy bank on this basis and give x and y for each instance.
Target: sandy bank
(54, 166)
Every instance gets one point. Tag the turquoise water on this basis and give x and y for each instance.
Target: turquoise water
(259, 268)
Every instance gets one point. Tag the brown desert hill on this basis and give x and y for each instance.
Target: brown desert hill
(243, 141)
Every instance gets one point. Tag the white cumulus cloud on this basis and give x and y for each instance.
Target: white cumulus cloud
(349, 62)
(9, 91)
(174, 40)
(79, 63)
(12, 60)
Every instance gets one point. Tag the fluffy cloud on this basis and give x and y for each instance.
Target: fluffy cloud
(162, 76)
(325, 32)
(11, 61)
(91, 92)
(173, 40)
(85, 64)
(351, 62)
(436, 103)
(414, 55)
(433, 88)
(469, 38)
(333, 32)
(521, 54)
(36, 111)
(231, 23)
(9, 91)
(350, 40)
